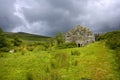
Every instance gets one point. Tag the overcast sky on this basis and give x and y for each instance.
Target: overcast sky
(47, 17)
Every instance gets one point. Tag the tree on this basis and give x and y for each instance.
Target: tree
(17, 41)
(59, 39)
(4, 43)
(2, 39)
(1, 31)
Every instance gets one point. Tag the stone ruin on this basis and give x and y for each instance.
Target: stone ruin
(80, 35)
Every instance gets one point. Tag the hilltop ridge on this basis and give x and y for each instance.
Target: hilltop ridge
(25, 36)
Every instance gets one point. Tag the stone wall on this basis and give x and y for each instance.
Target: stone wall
(80, 35)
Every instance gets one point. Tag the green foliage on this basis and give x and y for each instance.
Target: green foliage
(30, 48)
(1, 31)
(55, 75)
(70, 45)
(113, 43)
(4, 43)
(67, 45)
(29, 76)
(17, 41)
(51, 42)
(26, 36)
(118, 57)
(85, 79)
(5, 49)
(59, 39)
(75, 52)
(94, 62)
(61, 60)
(113, 39)
(46, 45)
(99, 37)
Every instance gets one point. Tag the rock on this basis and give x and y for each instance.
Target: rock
(12, 51)
(80, 35)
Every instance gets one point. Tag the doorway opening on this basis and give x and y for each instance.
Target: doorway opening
(79, 45)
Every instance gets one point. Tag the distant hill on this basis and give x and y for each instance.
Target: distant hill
(26, 36)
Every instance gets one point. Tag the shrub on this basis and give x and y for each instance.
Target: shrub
(29, 76)
(59, 39)
(75, 52)
(113, 43)
(113, 39)
(30, 48)
(22, 53)
(67, 45)
(70, 45)
(3, 42)
(85, 79)
(46, 45)
(99, 37)
(1, 31)
(17, 41)
(5, 49)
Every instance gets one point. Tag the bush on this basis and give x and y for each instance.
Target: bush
(5, 49)
(1, 31)
(29, 76)
(99, 37)
(59, 38)
(30, 48)
(67, 45)
(113, 39)
(75, 53)
(17, 41)
(113, 42)
(70, 45)
(4, 44)
(85, 79)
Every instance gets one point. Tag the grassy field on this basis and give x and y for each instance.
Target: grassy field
(92, 62)
(25, 36)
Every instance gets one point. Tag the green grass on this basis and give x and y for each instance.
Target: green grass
(25, 36)
(92, 62)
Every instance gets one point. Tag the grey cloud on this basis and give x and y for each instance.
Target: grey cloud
(7, 19)
(47, 17)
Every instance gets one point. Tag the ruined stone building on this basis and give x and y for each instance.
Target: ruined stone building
(80, 35)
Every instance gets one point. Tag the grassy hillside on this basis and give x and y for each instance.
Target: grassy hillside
(92, 62)
(25, 36)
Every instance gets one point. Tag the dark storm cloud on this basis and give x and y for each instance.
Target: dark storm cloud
(7, 19)
(47, 17)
